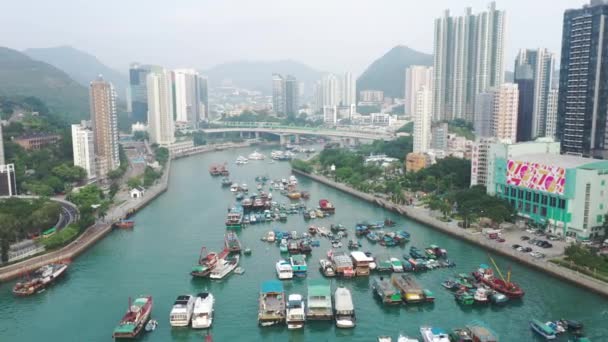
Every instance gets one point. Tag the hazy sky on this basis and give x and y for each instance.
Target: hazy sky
(331, 35)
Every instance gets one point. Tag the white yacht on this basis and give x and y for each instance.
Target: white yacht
(202, 317)
(256, 156)
(241, 160)
(181, 313)
(432, 334)
(284, 270)
(403, 338)
(345, 309)
(295, 312)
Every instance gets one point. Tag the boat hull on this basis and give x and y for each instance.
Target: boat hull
(201, 324)
(542, 333)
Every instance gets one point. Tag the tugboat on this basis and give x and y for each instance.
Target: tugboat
(135, 319)
(41, 278)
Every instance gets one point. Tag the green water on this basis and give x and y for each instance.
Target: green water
(155, 258)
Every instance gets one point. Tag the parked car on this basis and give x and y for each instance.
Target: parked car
(501, 240)
(554, 238)
(532, 241)
(516, 246)
(520, 249)
(527, 250)
(524, 238)
(537, 255)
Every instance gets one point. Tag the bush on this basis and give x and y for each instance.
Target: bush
(61, 238)
(301, 165)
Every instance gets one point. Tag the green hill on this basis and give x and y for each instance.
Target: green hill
(388, 72)
(21, 76)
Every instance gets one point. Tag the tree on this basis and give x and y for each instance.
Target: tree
(69, 173)
(134, 182)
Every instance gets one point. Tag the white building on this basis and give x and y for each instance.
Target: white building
(189, 107)
(2, 162)
(8, 180)
(416, 77)
(161, 127)
(83, 148)
(349, 90)
(331, 90)
(422, 120)
(330, 115)
(551, 125)
(504, 121)
(381, 119)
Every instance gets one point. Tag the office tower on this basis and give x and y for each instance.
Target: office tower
(583, 82)
(484, 114)
(317, 101)
(504, 122)
(331, 90)
(104, 123)
(8, 180)
(468, 60)
(552, 101)
(161, 127)
(189, 107)
(349, 90)
(137, 91)
(291, 96)
(203, 89)
(422, 120)
(83, 148)
(278, 92)
(439, 137)
(534, 76)
(416, 77)
(2, 161)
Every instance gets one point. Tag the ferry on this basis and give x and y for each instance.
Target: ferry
(271, 303)
(232, 243)
(432, 334)
(295, 317)
(319, 300)
(202, 316)
(40, 279)
(386, 291)
(345, 309)
(135, 319)
(181, 313)
(298, 265)
(284, 270)
(542, 329)
(224, 267)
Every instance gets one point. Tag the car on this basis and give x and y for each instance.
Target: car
(527, 250)
(546, 245)
(537, 255)
(516, 246)
(554, 238)
(525, 238)
(501, 240)
(530, 230)
(532, 241)
(539, 243)
(520, 249)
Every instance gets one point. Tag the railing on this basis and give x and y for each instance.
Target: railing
(277, 126)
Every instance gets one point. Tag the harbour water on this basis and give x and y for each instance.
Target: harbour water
(156, 257)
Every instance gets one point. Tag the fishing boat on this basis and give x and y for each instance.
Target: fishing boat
(464, 297)
(232, 243)
(326, 206)
(40, 279)
(181, 312)
(283, 248)
(226, 182)
(206, 262)
(430, 253)
(409, 288)
(271, 309)
(135, 318)
(124, 224)
(542, 329)
(293, 247)
(256, 156)
(385, 290)
(510, 289)
(396, 265)
(464, 281)
(295, 316)
(298, 265)
(284, 270)
(481, 295)
(319, 305)
(224, 170)
(344, 308)
(450, 284)
(434, 334)
(416, 253)
(498, 298)
(202, 316)
(327, 268)
(151, 325)
(305, 246)
(214, 170)
(224, 267)
(373, 237)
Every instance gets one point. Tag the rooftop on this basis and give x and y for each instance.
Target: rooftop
(563, 160)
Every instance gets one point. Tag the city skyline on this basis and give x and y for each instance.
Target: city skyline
(256, 28)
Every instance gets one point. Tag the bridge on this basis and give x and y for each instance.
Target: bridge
(286, 131)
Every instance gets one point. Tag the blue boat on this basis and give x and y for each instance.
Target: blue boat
(373, 237)
(298, 265)
(542, 329)
(416, 253)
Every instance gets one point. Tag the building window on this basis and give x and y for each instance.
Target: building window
(601, 206)
(527, 207)
(599, 219)
(543, 211)
(520, 194)
(544, 200)
(562, 204)
(535, 209)
(536, 198)
(528, 196)
(603, 182)
(513, 192)
(553, 202)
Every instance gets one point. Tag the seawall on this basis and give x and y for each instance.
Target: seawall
(415, 214)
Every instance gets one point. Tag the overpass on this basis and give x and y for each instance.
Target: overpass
(285, 131)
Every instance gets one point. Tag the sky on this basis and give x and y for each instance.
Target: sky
(329, 35)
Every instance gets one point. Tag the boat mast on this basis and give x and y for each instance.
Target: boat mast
(498, 269)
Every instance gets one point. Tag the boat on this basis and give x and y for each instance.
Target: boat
(386, 291)
(283, 246)
(224, 267)
(396, 265)
(326, 206)
(327, 268)
(486, 275)
(450, 284)
(353, 244)
(293, 180)
(464, 297)
(556, 326)
(256, 156)
(429, 296)
(403, 338)
(384, 339)
(226, 182)
(542, 329)
(202, 316)
(571, 325)
(151, 325)
(247, 251)
(481, 295)
(135, 318)
(295, 316)
(214, 170)
(410, 290)
(433, 334)
(464, 281)
(223, 169)
(124, 224)
(234, 187)
(293, 247)
(498, 298)
(240, 160)
(344, 308)
(343, 264)
(361, 263)
(232, 243)
(284, 270)
(295, 195)
(479, 331)
(40, 279)
(271, 309)
(270, 236)
(298, 265)
(416, 253)
(181, 313)
(206, 262)
(305, 246)
(319, 305)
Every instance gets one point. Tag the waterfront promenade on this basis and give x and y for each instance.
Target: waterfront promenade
(422, 216)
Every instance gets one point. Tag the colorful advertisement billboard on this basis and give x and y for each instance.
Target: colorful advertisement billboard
(536, 176)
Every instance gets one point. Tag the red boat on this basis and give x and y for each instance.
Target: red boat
(486, 275)
(125, 224)
(135, 319)
(207, 262)
(223, 170)
(326, 206)
(40, 279)
(215, 170)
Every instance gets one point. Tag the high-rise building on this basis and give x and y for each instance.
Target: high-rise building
(189, 107)
(439, 137)
(2, 161)
(504, 122)
(468, 60)
(104, 123)
(551, 126)
(583, 82)
(416, 77)
(484, 114)
(349, 90)
(203, 89)
(161, 128)
(534, 76)
(137, 91)
(278, 93)
(331, 90)
(83, 147)
(8, 180)
(291, 96)
(422, 120)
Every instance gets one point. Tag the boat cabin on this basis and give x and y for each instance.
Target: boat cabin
(361, 263)
(319, 300)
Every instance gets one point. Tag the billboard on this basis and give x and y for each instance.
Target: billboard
(536, 176)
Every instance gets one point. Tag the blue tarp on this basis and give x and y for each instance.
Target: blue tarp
(272, 286)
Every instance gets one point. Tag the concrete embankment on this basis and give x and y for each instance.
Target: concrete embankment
(418, 215)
